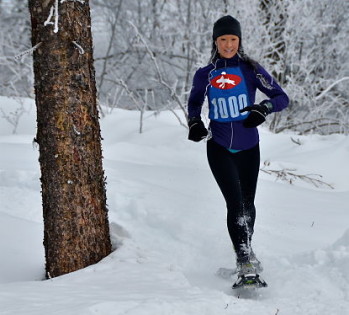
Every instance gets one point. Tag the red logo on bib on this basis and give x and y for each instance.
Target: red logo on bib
(225, 81)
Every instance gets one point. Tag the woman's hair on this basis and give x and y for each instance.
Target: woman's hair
(215, 55)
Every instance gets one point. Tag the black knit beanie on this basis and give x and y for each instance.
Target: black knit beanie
(226, 25)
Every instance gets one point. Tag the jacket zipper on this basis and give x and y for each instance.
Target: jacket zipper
(232, 135)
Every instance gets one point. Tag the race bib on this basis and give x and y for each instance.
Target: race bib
(227, 95)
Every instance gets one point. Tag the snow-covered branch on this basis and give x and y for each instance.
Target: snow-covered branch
(28, 51)
(290, 176)
(81, 50)
(161, 80)
(13, 117)
(323, 93)
(53, 13)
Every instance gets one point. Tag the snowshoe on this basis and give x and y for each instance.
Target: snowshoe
(248, 278)
(250, 281)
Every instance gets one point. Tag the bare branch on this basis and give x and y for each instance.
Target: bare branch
(173, 93)
(290, 176)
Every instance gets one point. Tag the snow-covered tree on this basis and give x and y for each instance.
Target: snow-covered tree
(317, 76)
(147, 52)
(15, 68)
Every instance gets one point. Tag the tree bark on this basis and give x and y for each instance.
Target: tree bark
(76, 229)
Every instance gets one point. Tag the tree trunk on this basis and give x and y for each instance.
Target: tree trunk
(76, 229)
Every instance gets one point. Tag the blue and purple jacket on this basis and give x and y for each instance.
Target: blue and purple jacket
(230, 85)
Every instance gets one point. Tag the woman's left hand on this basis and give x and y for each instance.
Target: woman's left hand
(257, 115)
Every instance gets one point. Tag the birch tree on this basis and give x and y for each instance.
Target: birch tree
(76, 230)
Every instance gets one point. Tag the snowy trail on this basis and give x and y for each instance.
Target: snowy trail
(168, 221)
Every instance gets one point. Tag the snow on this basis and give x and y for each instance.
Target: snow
(53, 12)
(167, 219)
(81, 50)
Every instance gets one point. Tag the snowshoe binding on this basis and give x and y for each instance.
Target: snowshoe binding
(255, 262)
(228, 273)
(248, 278)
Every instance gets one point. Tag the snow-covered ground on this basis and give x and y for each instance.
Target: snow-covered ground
(167, 218)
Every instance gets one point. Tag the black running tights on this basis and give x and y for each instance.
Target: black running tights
(236, 175)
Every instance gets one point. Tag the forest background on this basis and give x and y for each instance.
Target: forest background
(146, 52)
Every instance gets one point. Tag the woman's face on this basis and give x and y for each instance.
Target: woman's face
(227, 45)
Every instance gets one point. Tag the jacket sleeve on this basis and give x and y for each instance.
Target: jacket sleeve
(197, 93)
(267, 84)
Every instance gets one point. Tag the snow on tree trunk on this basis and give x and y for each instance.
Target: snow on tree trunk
(76, 229)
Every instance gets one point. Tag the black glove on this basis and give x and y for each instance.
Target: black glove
(257, 114)
(197, 130)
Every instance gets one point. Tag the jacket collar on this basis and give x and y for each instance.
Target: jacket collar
(223, 62)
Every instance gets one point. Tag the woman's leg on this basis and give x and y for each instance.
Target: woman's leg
(238, 192)
(248, 162)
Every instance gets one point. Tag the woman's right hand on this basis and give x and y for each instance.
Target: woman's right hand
(197, 130)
